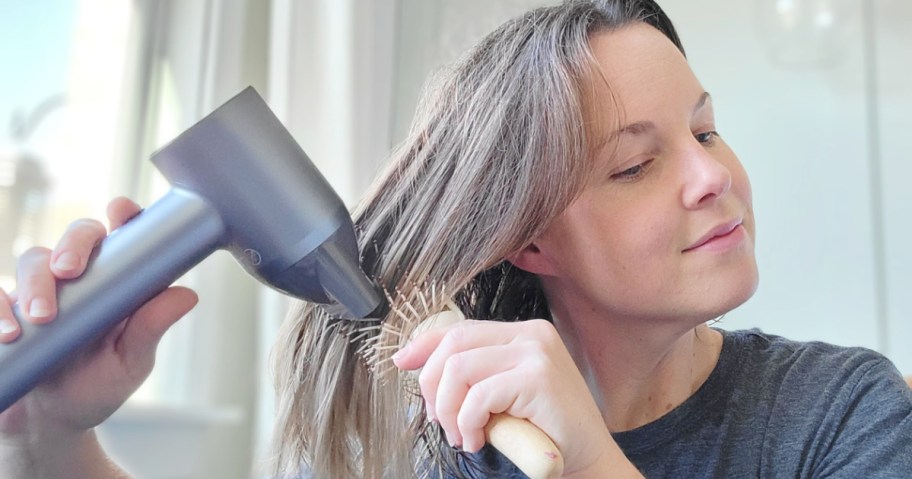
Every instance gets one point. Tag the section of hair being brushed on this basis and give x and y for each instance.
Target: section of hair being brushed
(498, 148)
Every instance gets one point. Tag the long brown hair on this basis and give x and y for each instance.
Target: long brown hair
(498, 148)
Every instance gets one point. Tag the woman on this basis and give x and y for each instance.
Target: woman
(566, 173)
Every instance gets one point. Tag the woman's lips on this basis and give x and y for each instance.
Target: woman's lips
(720, 238)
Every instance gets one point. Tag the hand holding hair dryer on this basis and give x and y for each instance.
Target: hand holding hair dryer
(240, 183)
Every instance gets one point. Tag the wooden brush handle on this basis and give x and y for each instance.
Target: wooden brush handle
(527, 446)
(520, 441)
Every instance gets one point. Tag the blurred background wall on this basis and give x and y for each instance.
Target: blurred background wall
(812, 94)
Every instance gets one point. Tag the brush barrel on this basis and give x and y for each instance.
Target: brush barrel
(130, 267)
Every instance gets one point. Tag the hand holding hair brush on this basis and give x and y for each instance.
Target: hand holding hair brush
(527, 446)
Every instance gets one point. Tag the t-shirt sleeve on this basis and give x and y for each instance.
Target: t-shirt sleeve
(872, 437)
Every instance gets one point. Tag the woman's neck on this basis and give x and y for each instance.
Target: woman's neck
(637, 370)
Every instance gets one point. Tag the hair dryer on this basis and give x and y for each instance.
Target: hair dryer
(240, 183)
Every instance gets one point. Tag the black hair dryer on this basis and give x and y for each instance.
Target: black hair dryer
(241, 183)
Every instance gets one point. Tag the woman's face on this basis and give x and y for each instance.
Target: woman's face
(665, 226)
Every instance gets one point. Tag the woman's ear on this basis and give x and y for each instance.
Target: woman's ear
(533, 260)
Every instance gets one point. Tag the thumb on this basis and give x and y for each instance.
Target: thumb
(148, 324)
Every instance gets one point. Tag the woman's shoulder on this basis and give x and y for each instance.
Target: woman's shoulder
(847, 408)
(812, 370)
(754, 347)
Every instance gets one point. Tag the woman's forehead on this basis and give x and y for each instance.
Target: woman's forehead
(639, 79)
(639, 73)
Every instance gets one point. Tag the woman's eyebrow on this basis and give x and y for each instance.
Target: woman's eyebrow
(645, 126)
(636, 128)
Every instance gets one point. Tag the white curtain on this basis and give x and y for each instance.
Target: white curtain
(330, 82)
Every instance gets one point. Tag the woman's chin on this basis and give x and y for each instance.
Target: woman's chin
(736, 293)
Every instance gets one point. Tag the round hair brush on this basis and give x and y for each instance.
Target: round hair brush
(423, 309)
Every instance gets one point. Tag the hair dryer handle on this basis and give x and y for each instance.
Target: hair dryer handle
(130, 267)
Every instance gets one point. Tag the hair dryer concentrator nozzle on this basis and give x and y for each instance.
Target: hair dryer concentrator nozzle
(330, 275)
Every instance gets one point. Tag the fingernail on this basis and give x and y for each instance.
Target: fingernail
(39, 308)
(67, 261)
(7, 326)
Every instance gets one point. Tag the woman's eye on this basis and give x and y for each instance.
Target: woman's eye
(633, 173)
(707, 138)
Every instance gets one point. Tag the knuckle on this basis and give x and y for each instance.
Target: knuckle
(468, 420)
(426, 381)
(538, 365)
(457, 335)
(478, 392)
(454, 364)
(537, 349)
(542, 329)
(544, 335)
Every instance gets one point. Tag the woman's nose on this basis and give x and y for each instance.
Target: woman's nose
(705, 178)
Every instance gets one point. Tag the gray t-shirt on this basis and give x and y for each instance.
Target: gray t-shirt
(778, 408)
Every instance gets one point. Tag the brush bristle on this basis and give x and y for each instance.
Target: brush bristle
(378, 340)
(406, 311)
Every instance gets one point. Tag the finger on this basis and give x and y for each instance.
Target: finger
(69, 258)
(37, 286)
(120, 210)
(486, 398)
(417, 353)
(145, 328)
(526, 391)
(439, 323)
(460, 373)
(9, 327)
(461, 337)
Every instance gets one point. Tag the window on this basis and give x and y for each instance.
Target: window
(64, 63)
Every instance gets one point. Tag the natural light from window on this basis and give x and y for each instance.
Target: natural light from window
(64, 63)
